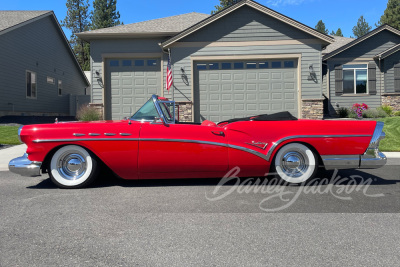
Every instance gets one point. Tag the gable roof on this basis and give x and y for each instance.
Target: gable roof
(11, 20)
(326, 38)
(339, 42)
(388, 52)
(361, 39)
(163, 27)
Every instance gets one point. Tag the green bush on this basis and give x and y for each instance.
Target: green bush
(381, 112)
(397, 113)
(352, 114)
(343, 112)
(387, 109)
(370, 113)
(86, 113)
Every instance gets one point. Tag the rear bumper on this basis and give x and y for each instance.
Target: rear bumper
(371, 159)
(23, 166)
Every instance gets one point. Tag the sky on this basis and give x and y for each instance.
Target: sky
(335, 14)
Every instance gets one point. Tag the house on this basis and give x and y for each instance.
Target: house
(39, 72)
(365, 70)
(244, 60)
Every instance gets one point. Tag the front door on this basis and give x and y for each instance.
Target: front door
(187, 149)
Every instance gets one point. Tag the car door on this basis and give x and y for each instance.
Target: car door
(182, 149)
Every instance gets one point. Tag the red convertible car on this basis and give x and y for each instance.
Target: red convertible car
(153, 145)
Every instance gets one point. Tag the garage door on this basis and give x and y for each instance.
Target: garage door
(131, 83)
(234, 89)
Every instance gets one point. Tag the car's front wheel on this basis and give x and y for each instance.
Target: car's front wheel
(72, 167)
(296, 163)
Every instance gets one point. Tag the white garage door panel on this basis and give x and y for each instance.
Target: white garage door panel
(223, 93)
(132, 82)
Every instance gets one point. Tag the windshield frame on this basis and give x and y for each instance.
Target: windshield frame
(159, 110)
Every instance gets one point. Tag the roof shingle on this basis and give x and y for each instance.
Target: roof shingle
(10, 19)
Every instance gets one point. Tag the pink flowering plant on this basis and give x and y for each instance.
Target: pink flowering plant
(359, 108)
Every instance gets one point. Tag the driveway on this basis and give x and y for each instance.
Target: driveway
(183, 223)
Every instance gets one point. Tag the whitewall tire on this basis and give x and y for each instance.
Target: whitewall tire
(72, 167)
(295, 163)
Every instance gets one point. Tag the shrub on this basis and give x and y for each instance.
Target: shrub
(359, 108)
(371, 113)
(381, 113)
(387, 109)
(343, 112)
(397, 113)
(87, 113)
(352, 114)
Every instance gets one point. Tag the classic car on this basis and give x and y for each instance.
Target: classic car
(152, 144)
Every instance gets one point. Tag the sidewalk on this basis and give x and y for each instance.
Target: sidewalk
(8, 154)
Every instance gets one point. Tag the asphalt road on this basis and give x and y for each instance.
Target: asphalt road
(336, 221)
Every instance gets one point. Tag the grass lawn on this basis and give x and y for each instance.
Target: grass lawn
(392, 129)
(9, 135)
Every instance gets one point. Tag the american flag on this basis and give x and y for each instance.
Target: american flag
(169, 80)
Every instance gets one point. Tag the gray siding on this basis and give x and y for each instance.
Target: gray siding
(247, 24)
(366, 51)
(99, 47)
(38, 47)
(389, 71)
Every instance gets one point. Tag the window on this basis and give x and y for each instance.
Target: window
(30, 84)
(151, 62)
(51, 80)
(263, 65)
(213, 66)
(126, 63)
(355, 79)
(238, 65)
(251, 65)
(276, 64)
(139, 62)
(59, 87)
(288, 64)
(114, 63)
(226, 66)
(201, 66)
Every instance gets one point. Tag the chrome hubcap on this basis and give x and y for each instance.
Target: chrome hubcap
(71, 166)
(294, 164)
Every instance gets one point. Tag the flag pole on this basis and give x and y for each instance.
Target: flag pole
(172, 70)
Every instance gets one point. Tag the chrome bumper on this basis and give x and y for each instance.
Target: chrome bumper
(371, 159)
(23, 166)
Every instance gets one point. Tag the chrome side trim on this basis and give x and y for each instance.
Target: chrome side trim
(248, 150)
(23, 166)
(84, 139)
(110, 134)
(277, 143)
(373, 158)
(125, 134)
(78, 134)
(341, 161)
(94, 134)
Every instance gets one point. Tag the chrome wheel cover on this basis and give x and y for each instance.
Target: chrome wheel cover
(71, 165)
(294, 164)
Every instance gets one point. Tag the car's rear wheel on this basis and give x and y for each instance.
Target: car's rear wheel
(296, 163)
(72, 167)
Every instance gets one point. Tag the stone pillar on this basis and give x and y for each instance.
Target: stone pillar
(391, 99)
(313, 109)
(183, 111)
(99, 107)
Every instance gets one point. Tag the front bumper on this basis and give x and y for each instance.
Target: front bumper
(371, 159)
(23, 166)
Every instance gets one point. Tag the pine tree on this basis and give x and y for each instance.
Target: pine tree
(339, 32)
(224, 4)
(361, 28)
(105, 14)
(391, 15)
(77, 20)
(321, 27)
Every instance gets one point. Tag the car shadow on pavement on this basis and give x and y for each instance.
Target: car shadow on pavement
(323, 177)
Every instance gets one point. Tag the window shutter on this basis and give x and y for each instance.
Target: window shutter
(372, 78)
(397, 77)
(338, 80)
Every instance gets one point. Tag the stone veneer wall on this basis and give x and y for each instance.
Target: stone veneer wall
(99, 107)
(183, 111)
(313, 109)
(392, 100)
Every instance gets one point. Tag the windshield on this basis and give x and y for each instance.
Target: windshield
(167, 108)
(147, 112)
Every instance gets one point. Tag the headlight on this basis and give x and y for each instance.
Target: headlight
(19, 133)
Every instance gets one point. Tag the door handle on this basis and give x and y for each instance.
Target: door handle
(218, 133)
